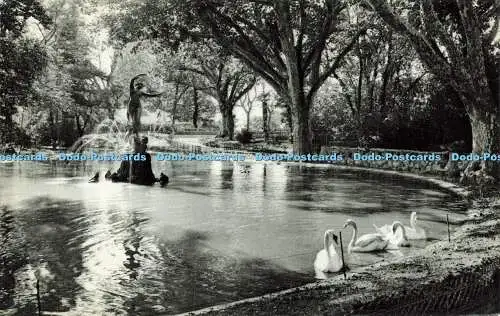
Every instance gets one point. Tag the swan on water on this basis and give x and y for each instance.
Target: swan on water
(327, 259)
(412, 232)
(365, 243)
(397, 240)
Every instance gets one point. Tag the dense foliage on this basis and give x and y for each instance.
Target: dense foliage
(21, 61)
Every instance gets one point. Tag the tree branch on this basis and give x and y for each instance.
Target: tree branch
(192, 69)
(245, 90)
(433, 25)
(243, 47)
(423, 45)
(329, 71)
(234, 86)
(302, 27)
(320, 41)
(279, 61)
(345, 93)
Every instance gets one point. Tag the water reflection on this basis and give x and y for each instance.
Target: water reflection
(132, 245)
(51, 243)
(220, 232)
(190, 272)
(12, 256)
(227, 179)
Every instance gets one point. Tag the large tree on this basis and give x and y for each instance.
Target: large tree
(290, 44)
(456, 42)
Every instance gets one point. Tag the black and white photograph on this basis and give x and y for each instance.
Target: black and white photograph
(249, 157)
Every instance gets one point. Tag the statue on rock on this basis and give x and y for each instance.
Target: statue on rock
(136, 171)
(134, 108)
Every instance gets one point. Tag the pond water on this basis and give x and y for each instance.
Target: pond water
(220, 232)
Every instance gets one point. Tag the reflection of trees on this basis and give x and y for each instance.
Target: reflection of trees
(196, 278)
(301, 184)
(224, 175)
(183, 274)
(140, 272)
(264, 175)
(132, 246)
(12, 256)
(227, 179)
(53, 231)
(362, 193)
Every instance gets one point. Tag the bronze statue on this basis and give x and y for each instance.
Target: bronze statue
(134, 109)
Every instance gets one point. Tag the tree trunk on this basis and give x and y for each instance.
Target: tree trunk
(177, 99)
(111, 113)
(248, 121)
(485, 139)
(294, 92)
(357, 104)
(196, 108)
(300, 115)
(386, 76)
(265, 123)
(289, 118)
(302, 135)
(227, 121)
(53, 131)
(269, 121)
(9, 125)
(58, 128)
(78, 126)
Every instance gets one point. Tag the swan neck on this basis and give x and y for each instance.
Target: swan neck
(354, 234)
(405, 237)
(413, 222)
(326, 241)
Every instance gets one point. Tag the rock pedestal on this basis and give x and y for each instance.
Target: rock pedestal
(136, 171)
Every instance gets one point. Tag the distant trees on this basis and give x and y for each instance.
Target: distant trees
(247, 103)
(223, 78)
(381, 82)
(203, 66)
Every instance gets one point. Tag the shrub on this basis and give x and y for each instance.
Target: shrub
(244, 136)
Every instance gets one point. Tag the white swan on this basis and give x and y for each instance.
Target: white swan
(412, 232)
(327, 259)
(365, 243)
(397, 240)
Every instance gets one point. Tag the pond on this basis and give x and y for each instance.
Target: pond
(220, 232)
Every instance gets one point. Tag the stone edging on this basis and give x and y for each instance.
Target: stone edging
(451, 187)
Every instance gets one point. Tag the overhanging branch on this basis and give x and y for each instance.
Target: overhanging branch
(330, 70)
